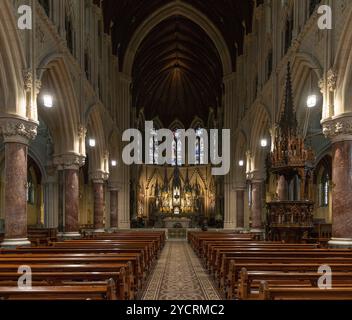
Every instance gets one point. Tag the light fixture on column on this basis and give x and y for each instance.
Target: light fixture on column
(264, 143)
(241, 163)
(92, 142)
(312, 101)
(113, 163)
(48, 101)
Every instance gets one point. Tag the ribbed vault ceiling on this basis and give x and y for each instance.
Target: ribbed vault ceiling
(177, 72)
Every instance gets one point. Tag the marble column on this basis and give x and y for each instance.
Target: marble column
(257, 205)
(341, 194)
(282, 189)
(98, 188)
(68, 198)
(339, 131)
(240, 207)
(113, 208)
(16, 133)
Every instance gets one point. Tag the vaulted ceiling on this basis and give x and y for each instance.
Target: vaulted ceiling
(177, 72)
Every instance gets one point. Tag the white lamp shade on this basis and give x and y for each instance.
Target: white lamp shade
(92, 143)
(312, 101)
(264, 143)
(48, 101)
(241, 163)
(113, 163)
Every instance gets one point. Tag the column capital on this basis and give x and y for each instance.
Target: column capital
(18, 130)
(69, 161)
(99, 176)
(338, 128)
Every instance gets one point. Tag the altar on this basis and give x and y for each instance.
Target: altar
(176, 222)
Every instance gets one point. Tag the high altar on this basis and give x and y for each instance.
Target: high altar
(177, 196)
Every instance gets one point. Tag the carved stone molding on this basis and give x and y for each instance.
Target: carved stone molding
(69, 161)
(338, 129)
(332, 80)
(18, 130)
(27, 80)
(99, 176)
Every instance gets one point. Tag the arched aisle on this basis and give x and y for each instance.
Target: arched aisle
(179, 275)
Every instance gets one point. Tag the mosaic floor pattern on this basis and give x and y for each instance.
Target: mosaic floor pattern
(179, 275)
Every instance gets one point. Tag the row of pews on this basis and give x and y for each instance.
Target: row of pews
(106, 267)
(245, 269)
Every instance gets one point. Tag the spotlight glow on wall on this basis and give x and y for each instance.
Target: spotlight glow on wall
(92, 143)
(113, 163)
(241, 163)
(312, 101)
(264, 143)
(48, 101)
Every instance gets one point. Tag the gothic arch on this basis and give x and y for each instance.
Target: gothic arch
(343, 67)
(261, 126)
(95, 130)
(63, 120)
(12, 64)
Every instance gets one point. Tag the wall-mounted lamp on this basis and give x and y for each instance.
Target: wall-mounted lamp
(263, 143)
(241, 163)
(312, 101)
(92, 143)
(113, 163)
(48, 101)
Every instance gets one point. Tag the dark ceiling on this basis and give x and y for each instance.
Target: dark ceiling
(177, 72)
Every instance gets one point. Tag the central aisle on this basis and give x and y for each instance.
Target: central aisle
(179, 275)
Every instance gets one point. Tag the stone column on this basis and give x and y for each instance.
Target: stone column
(340, 132)
(98, 189)
(70, 164)
(124, 121)
(51, 204)
(282, 189)
(17, 133)
(240, 207)
(257, 205)
(113, 208)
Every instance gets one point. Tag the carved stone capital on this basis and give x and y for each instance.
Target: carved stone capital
(69, 161)
(18, 130)
(27, 80)
(99, 176)
(338, 128)
(331, 80)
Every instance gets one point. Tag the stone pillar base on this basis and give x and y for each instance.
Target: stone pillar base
(124, 225)
(13, 243)
(71, 235)
(229, 226)
(345, 243)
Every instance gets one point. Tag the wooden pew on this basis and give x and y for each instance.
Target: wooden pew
(250, 280)
(235, 268)
(75, 292)
(72, 278)
(283, 293)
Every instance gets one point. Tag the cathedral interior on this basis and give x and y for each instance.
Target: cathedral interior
(80, 73)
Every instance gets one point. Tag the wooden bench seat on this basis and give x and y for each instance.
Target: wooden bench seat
(250, 280)
(75, 292)
(287, 293)
(68, 278)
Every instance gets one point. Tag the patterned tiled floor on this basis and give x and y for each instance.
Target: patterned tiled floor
(179, 275)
